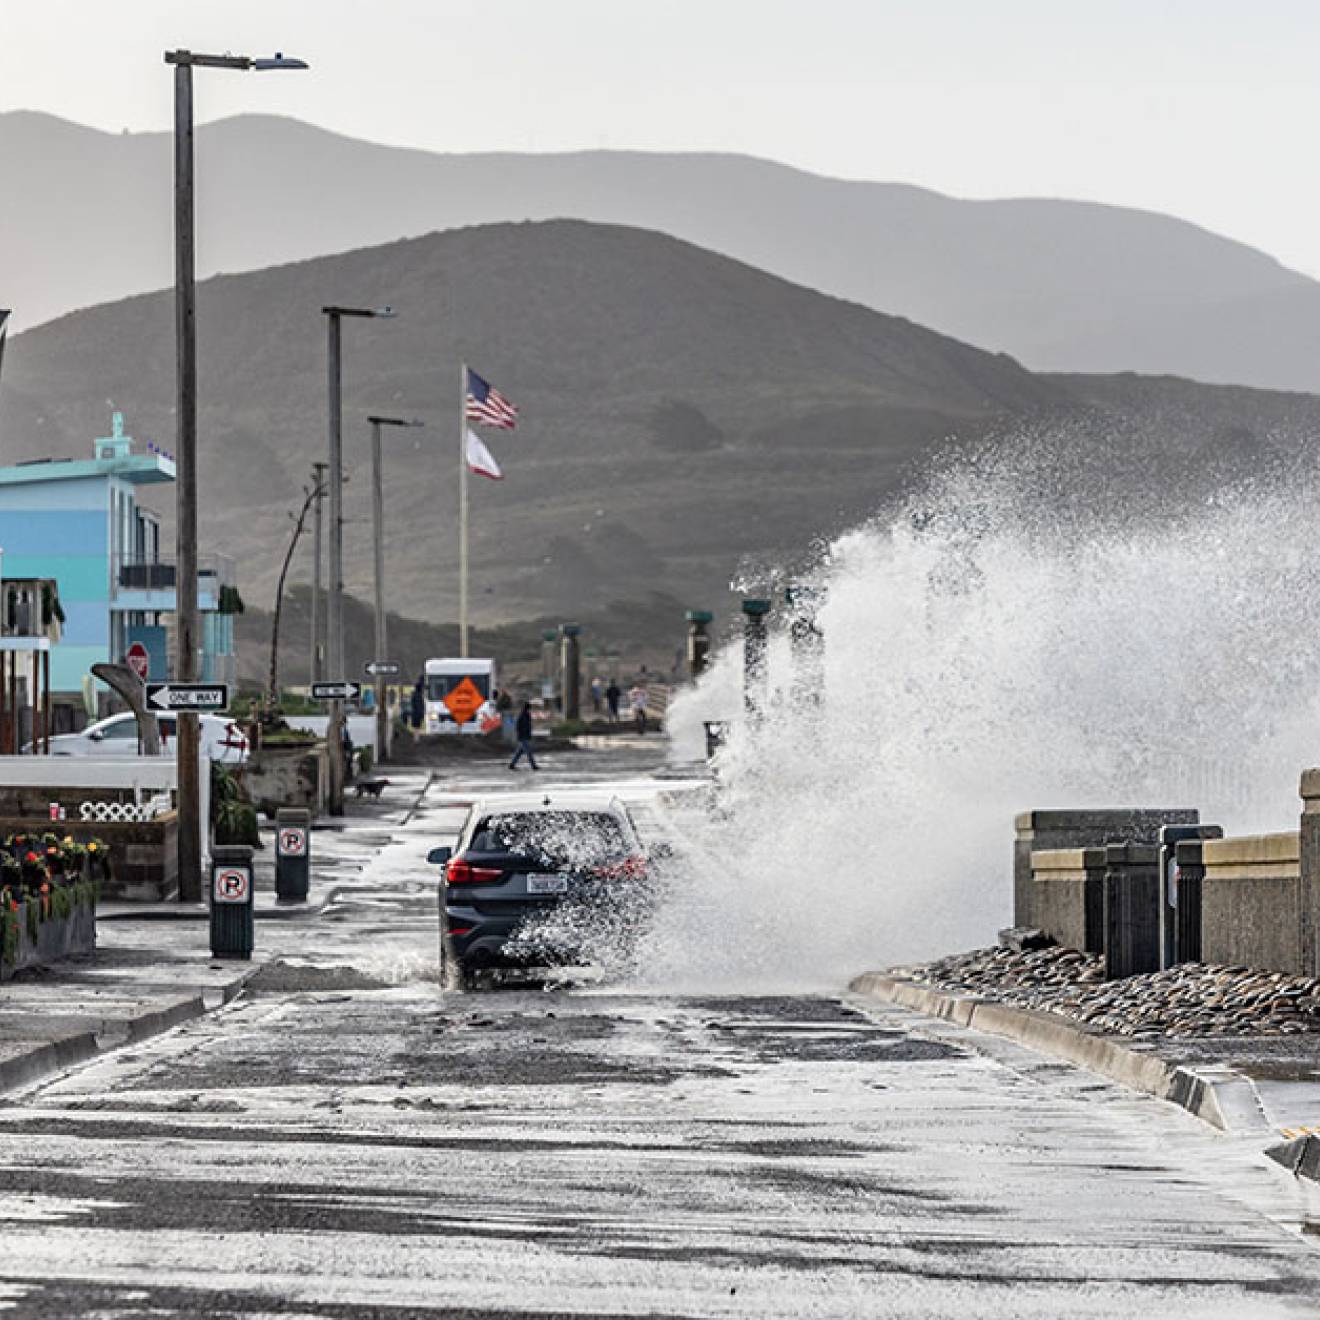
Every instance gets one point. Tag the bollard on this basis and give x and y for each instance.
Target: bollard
(807, 643)
(293, 854)
(231, 901)
(698, 642)
(754, 657)
(570, 668)
(716, 731)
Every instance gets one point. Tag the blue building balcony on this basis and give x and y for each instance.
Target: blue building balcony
(141, 584)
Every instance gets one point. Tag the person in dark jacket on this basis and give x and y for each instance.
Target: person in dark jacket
(523, 732)
(612, 695)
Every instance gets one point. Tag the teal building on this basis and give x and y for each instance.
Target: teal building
(79, 522)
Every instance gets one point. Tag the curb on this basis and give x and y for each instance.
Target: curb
(431, 778)
(42, 1060)
(1222, 1098)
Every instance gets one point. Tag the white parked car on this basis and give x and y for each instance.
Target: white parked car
(222, 739)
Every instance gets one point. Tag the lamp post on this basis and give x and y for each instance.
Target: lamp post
(185, 308)
(378, 546)
(335, 604)
(318, 480)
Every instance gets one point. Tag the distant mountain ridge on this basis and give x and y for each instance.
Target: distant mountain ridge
(1064, 286)
(680, 410)
(685, 418)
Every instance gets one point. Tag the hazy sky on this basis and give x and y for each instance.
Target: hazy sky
(1203, 108)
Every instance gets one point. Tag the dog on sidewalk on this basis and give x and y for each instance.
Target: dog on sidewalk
(370, 787)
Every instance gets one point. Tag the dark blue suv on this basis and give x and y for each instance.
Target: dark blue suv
(538, 880)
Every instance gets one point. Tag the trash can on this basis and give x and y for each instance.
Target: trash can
(231, 901)
(293, 827)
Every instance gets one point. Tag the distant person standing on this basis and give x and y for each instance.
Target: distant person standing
(595, 696)
(612, 698)
(417, 705)
(523, 732)
(637, 703)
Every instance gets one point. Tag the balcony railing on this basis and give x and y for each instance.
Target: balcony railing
(143, 573)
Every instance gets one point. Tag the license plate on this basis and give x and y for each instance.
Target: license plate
(547, 884)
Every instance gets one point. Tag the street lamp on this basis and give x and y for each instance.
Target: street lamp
(335, 611)
(378, 545)
(185, 322)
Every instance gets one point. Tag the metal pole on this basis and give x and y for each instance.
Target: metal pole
(462, 512)
(378, 546)
(185, 578)
(318, 480)
(755, 641)
(335, 621)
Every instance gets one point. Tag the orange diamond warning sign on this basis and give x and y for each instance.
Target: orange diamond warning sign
(463, 701)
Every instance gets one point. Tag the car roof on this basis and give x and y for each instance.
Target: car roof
(548, 801)
(160, 714)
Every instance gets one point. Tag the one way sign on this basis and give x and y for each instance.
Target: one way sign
(336, 691)
(187, 696)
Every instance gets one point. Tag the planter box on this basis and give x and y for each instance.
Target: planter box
(144, 855)
(57, 938)
(278, 777)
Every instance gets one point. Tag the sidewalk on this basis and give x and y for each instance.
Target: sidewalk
(1263, 1086)
(153, 967)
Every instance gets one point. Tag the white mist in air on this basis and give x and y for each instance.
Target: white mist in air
(982, 659)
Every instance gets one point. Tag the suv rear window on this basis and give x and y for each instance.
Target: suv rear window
(554, 838)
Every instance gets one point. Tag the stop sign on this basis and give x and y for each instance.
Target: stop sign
(138, 660)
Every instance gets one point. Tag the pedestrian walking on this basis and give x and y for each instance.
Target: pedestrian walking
(523, 732)
(612, 698)
(637, 703)
(596, 692)
(417, 704)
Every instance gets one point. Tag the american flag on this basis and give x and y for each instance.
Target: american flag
(487, 405)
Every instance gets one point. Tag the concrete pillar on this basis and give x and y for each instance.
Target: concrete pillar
(698, 641)
(549, 663)
(755, 641)
(1131, 909)
(807, 643)
(570, 668)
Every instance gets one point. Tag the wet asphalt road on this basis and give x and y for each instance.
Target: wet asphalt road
(348, 1141)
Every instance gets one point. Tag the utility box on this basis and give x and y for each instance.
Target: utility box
(293, 854)
(232, 901)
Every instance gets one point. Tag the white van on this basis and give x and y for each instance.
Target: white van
(460, 695)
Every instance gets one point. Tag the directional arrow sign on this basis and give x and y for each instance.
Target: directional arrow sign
(382, 668)
(187, 696)
(336, 691)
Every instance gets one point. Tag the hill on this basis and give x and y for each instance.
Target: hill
(1066, 286)
(681, 411)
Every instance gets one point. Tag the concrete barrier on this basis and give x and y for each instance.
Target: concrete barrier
(1310, 871)
(1068, 896)
(1252, 903)
(1040, 831)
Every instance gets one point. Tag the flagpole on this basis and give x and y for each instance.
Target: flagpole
(462, 512)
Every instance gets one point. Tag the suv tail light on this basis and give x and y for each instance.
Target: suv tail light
(460, 872)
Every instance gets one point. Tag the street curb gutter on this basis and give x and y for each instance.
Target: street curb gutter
(1218, 1096)
(22, 1070)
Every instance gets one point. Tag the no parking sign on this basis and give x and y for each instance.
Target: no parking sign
(292, 841)
(232, 885)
